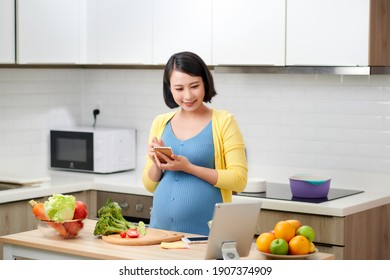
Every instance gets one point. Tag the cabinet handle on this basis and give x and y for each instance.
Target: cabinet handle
(124, 206)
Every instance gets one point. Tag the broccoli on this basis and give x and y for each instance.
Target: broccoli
(111, 220)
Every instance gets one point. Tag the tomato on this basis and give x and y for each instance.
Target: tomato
(123, 234)
(133, 233)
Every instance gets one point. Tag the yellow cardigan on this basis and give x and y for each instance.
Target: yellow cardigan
(229, 151)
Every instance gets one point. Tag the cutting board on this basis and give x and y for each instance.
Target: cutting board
(152, 237)
(21, 180)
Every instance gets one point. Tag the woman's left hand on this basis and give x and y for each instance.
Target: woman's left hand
(175, 163)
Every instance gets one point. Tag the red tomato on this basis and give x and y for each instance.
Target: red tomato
(123, 234)
(133, 233)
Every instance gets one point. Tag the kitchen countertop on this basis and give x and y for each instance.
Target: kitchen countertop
(130, 183)
(33, 244)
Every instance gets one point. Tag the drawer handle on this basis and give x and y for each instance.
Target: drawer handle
(124, 206)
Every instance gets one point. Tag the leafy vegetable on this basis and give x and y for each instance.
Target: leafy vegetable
(111, 220)
(60, 207)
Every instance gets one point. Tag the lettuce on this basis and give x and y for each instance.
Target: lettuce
(60, 207)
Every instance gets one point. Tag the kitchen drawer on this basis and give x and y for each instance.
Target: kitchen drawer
(328, 229)
(134, 207)
(337, 251)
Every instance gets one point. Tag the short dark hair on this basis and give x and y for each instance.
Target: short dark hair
(191, 64)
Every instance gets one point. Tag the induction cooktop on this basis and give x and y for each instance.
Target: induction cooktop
(282, 192)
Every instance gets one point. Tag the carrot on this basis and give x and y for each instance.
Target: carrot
(38, 209)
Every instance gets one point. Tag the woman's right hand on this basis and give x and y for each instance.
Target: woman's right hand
(151, 153)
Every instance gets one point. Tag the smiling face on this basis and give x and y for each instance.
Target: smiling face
(187, 91)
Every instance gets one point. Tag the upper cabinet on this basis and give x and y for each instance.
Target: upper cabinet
(51, 31)
(222, 32)
(380, 33)
(327, 32)
(181, 25)
(249, 32)
(7, 31)
(120, 32)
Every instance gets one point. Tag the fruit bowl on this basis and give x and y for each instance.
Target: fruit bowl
(66, 229)
(309, 186)
(287, 257)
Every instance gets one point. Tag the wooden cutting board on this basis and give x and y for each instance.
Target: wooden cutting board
(152, 237)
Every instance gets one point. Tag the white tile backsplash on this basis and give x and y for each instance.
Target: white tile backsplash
(31, 102)
(289, 121)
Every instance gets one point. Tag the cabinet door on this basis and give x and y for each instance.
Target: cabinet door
(7, 31)
(181, 25)
(50, 31)
(327, 32)
(124, 30)
(249, 32)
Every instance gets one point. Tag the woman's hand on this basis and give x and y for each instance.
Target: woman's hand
(150, 151)
(173, 163)
(181, 163)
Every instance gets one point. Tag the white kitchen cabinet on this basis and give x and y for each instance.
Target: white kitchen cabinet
(51, 31)
(249, 32)
(328, 32)
(181, 25)
(120, 32)
(7, 31)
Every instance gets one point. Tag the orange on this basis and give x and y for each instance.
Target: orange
(284, 230)
(263, 242)
(295, 223)
(299, 245)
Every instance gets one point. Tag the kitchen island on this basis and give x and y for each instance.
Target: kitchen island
(353, 227)
(34, 245)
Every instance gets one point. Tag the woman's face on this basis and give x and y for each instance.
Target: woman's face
(188, 91)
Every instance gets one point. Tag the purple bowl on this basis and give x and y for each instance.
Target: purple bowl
(309, 186)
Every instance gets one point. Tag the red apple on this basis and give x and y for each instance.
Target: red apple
(80, 211)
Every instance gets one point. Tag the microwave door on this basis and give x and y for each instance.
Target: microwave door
(72, 150)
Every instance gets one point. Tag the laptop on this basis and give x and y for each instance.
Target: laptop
(232, 230)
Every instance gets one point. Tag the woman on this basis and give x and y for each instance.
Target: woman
(208, 161)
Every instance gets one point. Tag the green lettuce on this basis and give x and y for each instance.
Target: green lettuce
(60, 207)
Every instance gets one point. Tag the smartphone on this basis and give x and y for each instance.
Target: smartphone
(165, 150)
(195, 240)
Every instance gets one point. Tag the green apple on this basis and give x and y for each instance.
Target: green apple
(306, 231)
(279, 247)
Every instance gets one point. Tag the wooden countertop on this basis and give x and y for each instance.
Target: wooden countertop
(86, 245)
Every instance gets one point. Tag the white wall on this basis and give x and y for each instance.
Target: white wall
(328, 124)
(31, 102)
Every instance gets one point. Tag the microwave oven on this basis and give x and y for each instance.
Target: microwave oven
(95, 150)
